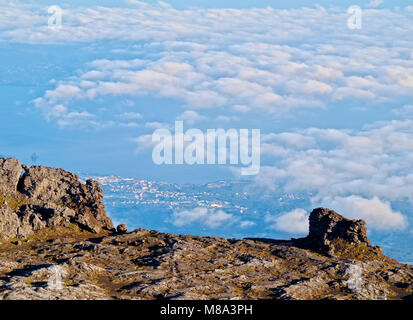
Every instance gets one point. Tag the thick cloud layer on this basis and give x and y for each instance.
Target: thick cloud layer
(262, 61)
(375, 161)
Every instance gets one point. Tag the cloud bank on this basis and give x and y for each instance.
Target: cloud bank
(377, 214)
(261, 61)
(200, 215)
(294, 222)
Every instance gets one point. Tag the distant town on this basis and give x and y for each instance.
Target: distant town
(231, 196)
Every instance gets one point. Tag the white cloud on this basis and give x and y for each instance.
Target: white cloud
(378, 214)
(144, 143)
(223, 118)
(310, 87)
(406, 111)
(374, 161)
(130, 116)
(73, 118)
(153, 125)
(247, 224)
(290, 139)
(322, 73)
(190, 117)
(294, 222)
(200, 215)
(375, 3)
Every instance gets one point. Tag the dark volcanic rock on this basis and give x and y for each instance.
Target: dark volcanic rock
(327, 227)
(121, 228)
(326, 223)
(47, 197)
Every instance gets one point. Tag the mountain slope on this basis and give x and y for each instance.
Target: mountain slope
(46, 254)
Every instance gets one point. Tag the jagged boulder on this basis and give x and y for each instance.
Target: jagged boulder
(64, 188)
(9, 223)
(47, 197)
(327, 228)
(10, 172)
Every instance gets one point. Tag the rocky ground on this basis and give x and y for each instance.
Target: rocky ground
(58, 243)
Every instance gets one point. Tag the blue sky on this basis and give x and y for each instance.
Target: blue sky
(333, 103)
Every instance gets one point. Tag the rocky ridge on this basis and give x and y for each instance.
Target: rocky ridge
(58, 243)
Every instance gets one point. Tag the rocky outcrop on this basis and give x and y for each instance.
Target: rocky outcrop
(58, 186)
(121, 228)
(9, 223)
(10, 172)
(44, 197)
(328, 229)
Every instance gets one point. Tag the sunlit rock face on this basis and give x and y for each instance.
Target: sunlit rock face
(33, 198)
(10, 172)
